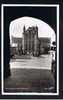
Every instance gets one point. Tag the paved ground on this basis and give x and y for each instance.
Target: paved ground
(30, 62)
(30, 80)
(30, 74)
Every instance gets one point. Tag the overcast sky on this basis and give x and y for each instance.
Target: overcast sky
(44, 30)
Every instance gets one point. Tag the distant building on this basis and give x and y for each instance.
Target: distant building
(30, 43)
(16, 47)
(44, 44)
(17, 40)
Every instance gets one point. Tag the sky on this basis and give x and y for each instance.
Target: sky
(44, 30)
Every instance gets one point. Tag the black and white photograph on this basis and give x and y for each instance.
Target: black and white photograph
(30, 63)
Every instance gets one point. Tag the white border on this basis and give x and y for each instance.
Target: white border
(2, 46)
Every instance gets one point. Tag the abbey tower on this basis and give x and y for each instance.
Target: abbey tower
(30, 40)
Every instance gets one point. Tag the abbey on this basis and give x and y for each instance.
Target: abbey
(30, 43)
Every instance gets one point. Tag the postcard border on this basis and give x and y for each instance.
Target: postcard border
(2, 46)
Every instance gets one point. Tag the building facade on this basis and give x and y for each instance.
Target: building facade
(30, 43)
(30, 40)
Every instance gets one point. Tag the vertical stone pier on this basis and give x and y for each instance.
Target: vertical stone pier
(36, 42)
(23, 40)
(35, 45)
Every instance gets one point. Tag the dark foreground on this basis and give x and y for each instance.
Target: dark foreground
(30, 80)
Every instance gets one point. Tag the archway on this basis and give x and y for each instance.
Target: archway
(16, 26)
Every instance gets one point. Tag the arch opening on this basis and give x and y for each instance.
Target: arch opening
(30, 36)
